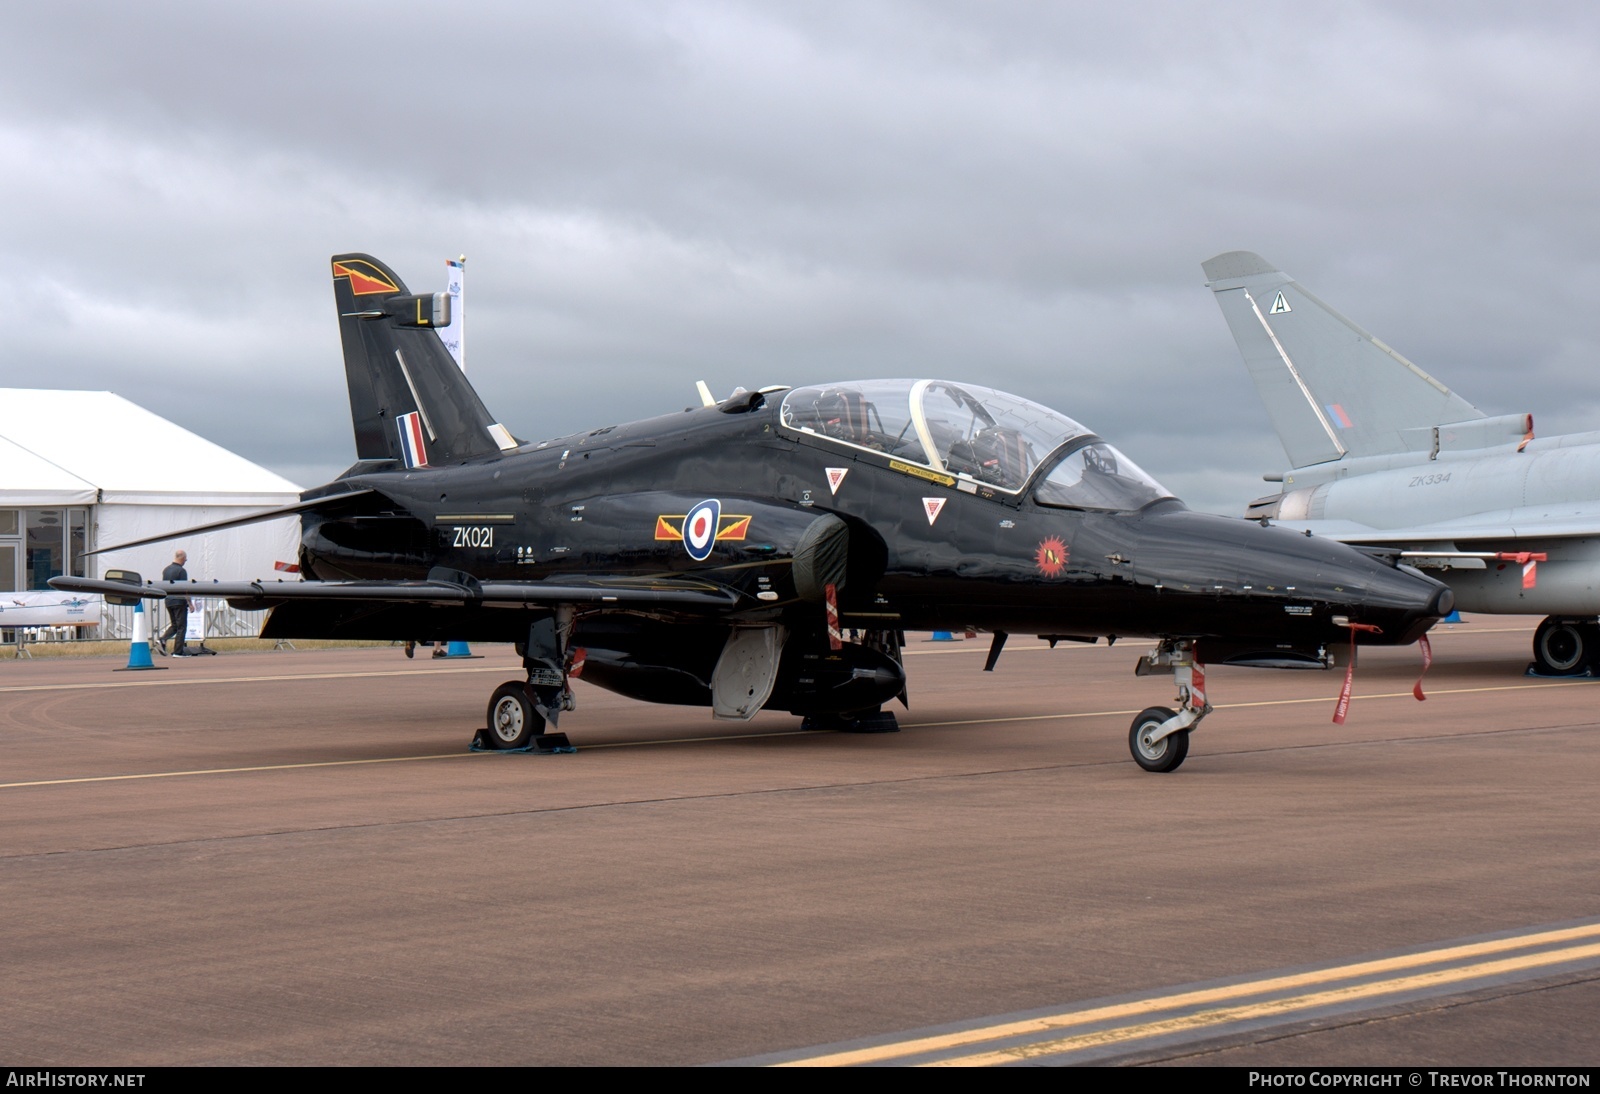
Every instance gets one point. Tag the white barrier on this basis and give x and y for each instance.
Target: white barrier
(114, 622)
(217, 619)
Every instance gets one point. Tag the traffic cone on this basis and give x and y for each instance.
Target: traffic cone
(454, 649)
(139, 648)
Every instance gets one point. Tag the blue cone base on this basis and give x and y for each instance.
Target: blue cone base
(456, 649)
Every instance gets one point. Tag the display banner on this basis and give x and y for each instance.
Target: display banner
(49, 609)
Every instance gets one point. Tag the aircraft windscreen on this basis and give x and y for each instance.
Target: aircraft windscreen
(986, 435)
(870, 414)
(989, 435)
(1097, 476)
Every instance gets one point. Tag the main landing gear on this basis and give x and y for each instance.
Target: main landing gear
(517, 713)
(1159, 736)
(1565, 646)
(520, 711)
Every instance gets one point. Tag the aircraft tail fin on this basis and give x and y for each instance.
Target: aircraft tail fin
(409, 402)
(1331, 389)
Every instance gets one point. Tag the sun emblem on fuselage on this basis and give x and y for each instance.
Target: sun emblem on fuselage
(1051, 557)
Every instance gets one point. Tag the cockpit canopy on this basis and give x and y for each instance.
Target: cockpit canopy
(974, 433)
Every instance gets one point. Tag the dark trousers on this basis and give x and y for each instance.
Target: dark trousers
(177, 625)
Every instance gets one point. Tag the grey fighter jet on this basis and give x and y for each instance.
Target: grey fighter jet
(1383, 455)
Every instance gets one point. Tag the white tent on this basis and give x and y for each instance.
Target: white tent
(139, 475)
(29, 479)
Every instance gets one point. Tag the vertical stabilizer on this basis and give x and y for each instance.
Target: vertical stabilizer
(409, 401)
(1331, 389)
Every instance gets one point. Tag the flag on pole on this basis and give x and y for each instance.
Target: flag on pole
(454, 335)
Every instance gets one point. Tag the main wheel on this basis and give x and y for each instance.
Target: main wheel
(1564, 648)
(513, 721)
(1163, 755)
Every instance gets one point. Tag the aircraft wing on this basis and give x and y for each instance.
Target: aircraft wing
(671, 594)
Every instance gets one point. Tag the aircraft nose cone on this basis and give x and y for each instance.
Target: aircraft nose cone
(1284, 574)
(1445, 602)
(1402, 601)
(1402, 587)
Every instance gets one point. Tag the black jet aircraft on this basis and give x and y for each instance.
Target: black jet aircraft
(770, 550)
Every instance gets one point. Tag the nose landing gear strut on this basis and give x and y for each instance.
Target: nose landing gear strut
(1159, 736)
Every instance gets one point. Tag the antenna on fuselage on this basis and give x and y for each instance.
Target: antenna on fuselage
(706, 398)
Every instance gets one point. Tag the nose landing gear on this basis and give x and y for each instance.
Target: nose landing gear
(1159, 736)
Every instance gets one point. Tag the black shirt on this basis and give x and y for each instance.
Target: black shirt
(174, 572)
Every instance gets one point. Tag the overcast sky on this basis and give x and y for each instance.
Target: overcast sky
(1016, 194)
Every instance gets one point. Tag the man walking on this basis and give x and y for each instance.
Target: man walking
(177, 609)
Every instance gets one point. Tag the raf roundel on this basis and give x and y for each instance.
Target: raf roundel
(700, 529)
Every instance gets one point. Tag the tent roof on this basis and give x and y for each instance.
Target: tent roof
(33, 480)
(96, 440)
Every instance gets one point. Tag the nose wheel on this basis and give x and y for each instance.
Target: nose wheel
(1159, 736)
(1153, 753)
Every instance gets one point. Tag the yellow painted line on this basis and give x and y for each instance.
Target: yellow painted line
(238, 770)
(1272, 1008)
(713, 739)
(168, 681)
(1431, 692)
(382, 760)
(1136, 1008)
(1481, 630)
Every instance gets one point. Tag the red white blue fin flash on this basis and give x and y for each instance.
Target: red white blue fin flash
(411, 447)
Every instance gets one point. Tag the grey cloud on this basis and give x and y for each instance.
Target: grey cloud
(1018, 194)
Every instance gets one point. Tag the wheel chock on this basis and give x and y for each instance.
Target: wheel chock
(1585, 673)
(879, 721)
(544, 744)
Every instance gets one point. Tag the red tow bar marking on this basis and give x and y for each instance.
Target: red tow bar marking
(1342, 707)
(1427, 660)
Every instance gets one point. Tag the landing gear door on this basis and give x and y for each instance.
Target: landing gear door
(742, 681)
